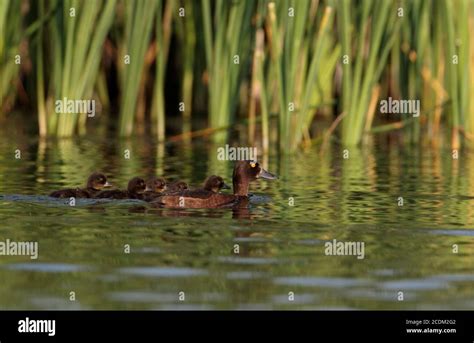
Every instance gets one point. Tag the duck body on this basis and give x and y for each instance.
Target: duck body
(244, 173)
(135, 189)
(150, 196)
(95, 183)
(71, 193)
(171, 188)
(112, 194)
(198, 198)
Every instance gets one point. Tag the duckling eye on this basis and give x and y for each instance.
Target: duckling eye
(253, 164)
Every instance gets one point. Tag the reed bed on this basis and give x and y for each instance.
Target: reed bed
(270, 66)
(227, 34)
(67, 50)
(374, 29)
(303, 59)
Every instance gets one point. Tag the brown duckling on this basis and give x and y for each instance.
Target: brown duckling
(214, 184)
(155, 186)
(95, 183)
(135, 189)
(176, 186)
(244, 173)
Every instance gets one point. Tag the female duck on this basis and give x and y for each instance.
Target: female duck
(135, 189)
(95, 183)
(244, 173)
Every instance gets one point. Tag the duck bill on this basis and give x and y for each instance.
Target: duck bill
(225, 186)
(148, 189)
(107, 185)
(266, 175)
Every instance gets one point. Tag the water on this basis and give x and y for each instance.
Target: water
(281, 247)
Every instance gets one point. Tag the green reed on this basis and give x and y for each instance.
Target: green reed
(69, 71)
(186, 27)
(470, 85)
(435, 56)
(227, 35)
(139, 17)
(411, 54)
(451, 71)
(374, 28)
(303, 58)
(460, 20)
(83, 53)
(10, 31)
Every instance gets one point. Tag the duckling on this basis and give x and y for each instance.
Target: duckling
(135, 189)
(154, 188)
(214, 184)
(95, 183)
(176, 186)
(244, 173)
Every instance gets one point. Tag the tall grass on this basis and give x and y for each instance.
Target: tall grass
(70, 70)
(83, 51)
(10, 34)
(186, 27)
(131, 60)
(304, 59)
(227, 33)
(163, 36)
(470, 118)
(452, 72)
(283, 59)
(367, 37)
(457, 76)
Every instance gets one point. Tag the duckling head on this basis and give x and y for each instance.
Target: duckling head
(97, 181)
(156, 184)
(136, 185)
(215, 183)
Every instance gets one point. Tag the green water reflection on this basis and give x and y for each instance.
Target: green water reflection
(408, 248)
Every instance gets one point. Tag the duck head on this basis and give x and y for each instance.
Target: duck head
(156, 184)
(136, 185)
(246, 172)
(97, 181)
(214, 184)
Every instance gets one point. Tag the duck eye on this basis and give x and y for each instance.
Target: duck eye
(253, 164)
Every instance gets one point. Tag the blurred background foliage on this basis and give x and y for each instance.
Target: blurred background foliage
(286, 74)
